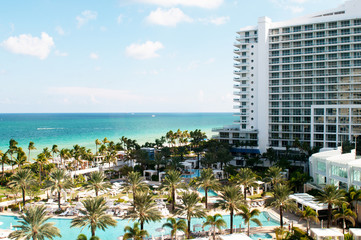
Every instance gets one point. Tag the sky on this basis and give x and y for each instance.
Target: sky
(127, 55)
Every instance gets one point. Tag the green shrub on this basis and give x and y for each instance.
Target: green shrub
(348, 236)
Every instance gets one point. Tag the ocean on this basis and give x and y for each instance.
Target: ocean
(68, 129)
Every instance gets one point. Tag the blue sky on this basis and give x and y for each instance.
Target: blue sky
(127, 55)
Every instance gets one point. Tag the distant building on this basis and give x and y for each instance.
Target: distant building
(298, 79)
(150, 152)
(333, 167)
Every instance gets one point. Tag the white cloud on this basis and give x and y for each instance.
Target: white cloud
(170, 17)
(94, 56)
(295, 6)
(189, 3)
(85, 17)
(120, 19)
(61, 54)
(60, 30)
(216, 21)
(143, 51)
(29, 45)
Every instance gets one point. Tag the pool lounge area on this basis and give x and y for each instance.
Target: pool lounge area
(113, 233)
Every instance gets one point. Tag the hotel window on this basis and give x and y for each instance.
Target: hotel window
(332, 56)
(357, 22)
(296, 36)
(308, 58)
(297, 51)
(308, 50)
(319, 128)
(338, 171)
(320, 34)
(332, 40)
(309, 43)
(319, 111)
(297, 29)
(345, 31)
(320, 41)
(308, 35)
(332, 48)
(345, 40)
(357, 30)
(357, 38)
(332, 24)
(332, 33)
(345, 23)
(308, 27)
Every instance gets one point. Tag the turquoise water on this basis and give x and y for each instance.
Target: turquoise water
(211, 193)
(257, 236)
(68, 129)
(113, 233)
(195, 174)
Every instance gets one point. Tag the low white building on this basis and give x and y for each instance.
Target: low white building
(333, 167)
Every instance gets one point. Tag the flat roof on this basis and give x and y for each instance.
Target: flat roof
(308, 200)
(355, 231)
(326, 232)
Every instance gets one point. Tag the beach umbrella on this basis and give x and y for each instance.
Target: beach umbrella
(120, 238)
(1, 223)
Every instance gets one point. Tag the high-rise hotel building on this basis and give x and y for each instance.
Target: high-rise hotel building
(298, 79)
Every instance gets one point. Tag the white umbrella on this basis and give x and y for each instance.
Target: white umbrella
(1, 223)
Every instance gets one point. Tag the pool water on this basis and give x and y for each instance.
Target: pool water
(257, 236)
(211, 193)
(112, 233)
(193, 175)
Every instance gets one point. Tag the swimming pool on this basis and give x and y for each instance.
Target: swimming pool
(257, 236)
(193, 175)
(113, 233)
(211, 193)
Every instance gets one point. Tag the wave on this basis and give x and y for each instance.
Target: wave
(49, 129)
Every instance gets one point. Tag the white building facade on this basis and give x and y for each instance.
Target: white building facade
(298, 79)
(333, 167)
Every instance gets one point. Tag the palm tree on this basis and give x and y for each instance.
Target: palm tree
(105, 141)
(34, 225)
(31, 147)
(94, 215)
(20, 157)
(97, 142)
(231, 200)
(54, 150)
(64, 155)
(41, 160)
(97, 182)
(134, 232)
(144, 209)
(4, 160)
(59, 181)
(353, 196)
(274, 175)
(175, 225)
(249, 216)
(281, 200)
(134, 182)
(330, 196)
(12, 148)
(190, 208)
(309, 214)
(344, 213)
(171, 182)
(247, 178)
(207, 181)
(22, 179)
(215, 221)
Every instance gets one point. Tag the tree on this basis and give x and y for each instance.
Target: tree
(215, 221)
(22, 179)
(97, 142)
(247, 178)
(20, 157)
(249, 215)
(346, 214)
(94, 215)
(34, 225)
(274, 175)
(170, 183)
(41, 160)
(54, 150)
(134, 232)
(134, 182)
(309, 214)
(281, 200)
(175, 225)
(144, 209)
(31, 147)
(207, 181)
(4, 159)
(298, 179)
(96, 182)
(190, 208)
(59, 181)
(231, 200)
(64, 155)
(353, 196)
(330, 196)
